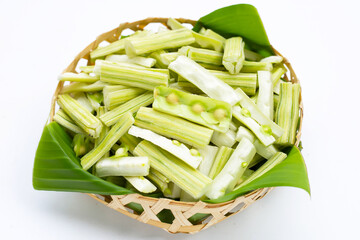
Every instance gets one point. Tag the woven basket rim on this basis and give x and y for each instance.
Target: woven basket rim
(114, 35)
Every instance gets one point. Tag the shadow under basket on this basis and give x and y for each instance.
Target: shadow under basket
(151, 207)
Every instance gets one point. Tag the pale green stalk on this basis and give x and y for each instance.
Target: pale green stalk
(80, 115)
(184, 176)
(208, 153)
(167, 58)
(141, 184)
(226, 180)
(202, 55)
(246, 81)
(221, 158)
(252, 56)
(114, 98)
(205, 111)
(224, 139)
(266, 152)
(95, 99)
(269, 164)
(131, 75)
(205, 41)
(234, 55)
(111, 117)
(276, 101)
(272, 59)
(287, 113)
(204, 80)
(78, 77)
(160, 62)
(111, 138)
(255, 113)
(276, 75)
(175, 191)
(123, 166)
(159, 180)
(81, 144)
(64, 120)
(159, 41)
(191, 157)
(87, 69)
(253, 67)
(83, 87)
(265, 101)
(84, 101)
(141, 61)
(105, 130)
(212, 34)
(115, 47)
(245, 176)
(212, 67)
(130, 141)
(173, 127)
(244, 116)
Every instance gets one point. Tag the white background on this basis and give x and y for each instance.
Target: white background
(38, 39)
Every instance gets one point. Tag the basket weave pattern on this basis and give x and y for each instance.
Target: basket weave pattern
(152, 206)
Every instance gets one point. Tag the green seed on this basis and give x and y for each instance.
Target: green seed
(176, 142)
(194, 152)
(219, 114)
(197, 108)
(266, 129)
(172, 98)
(245, 112)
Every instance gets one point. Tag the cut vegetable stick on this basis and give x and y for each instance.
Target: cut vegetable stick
(113, 136)
(266, 152)
(208, 153)
(167, 58)
(142, 61)
(187, 178)
(64, 120)
(84, 101)
(224, 139)
(111, 117)
(257, 115)
(243, 115)
(87, 69)
(269, 164)
(80, 115)
(159, 41)
(191, 157)
(82, 144)
(159, 180)
(203, 79)
(212, 67)
(212, 34)
(131, 75)
(78, 77)
(114, 98)
(95, 99)
(272, 59)
(221, 158)
(141, 184)
(104, 131)
(245, 176)
(252, 56)
(234, 55)
(115, 47)
(83, 87)
(169, 126)
(123, 166)
(202, 55)
(246, 81)
(233, 170)
(265, 101)
(287, 113)
(130, 141)
(253, 67)
(205, 111)
(160, 61)
(276, 74)
(175, 191)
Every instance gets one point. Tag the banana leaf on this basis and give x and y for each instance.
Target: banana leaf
(57, 168)
(239, 20)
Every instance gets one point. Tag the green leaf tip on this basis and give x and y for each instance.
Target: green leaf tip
(291, 172)
(57, 168)
(238, 20)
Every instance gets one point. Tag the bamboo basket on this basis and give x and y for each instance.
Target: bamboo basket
(152, 206)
